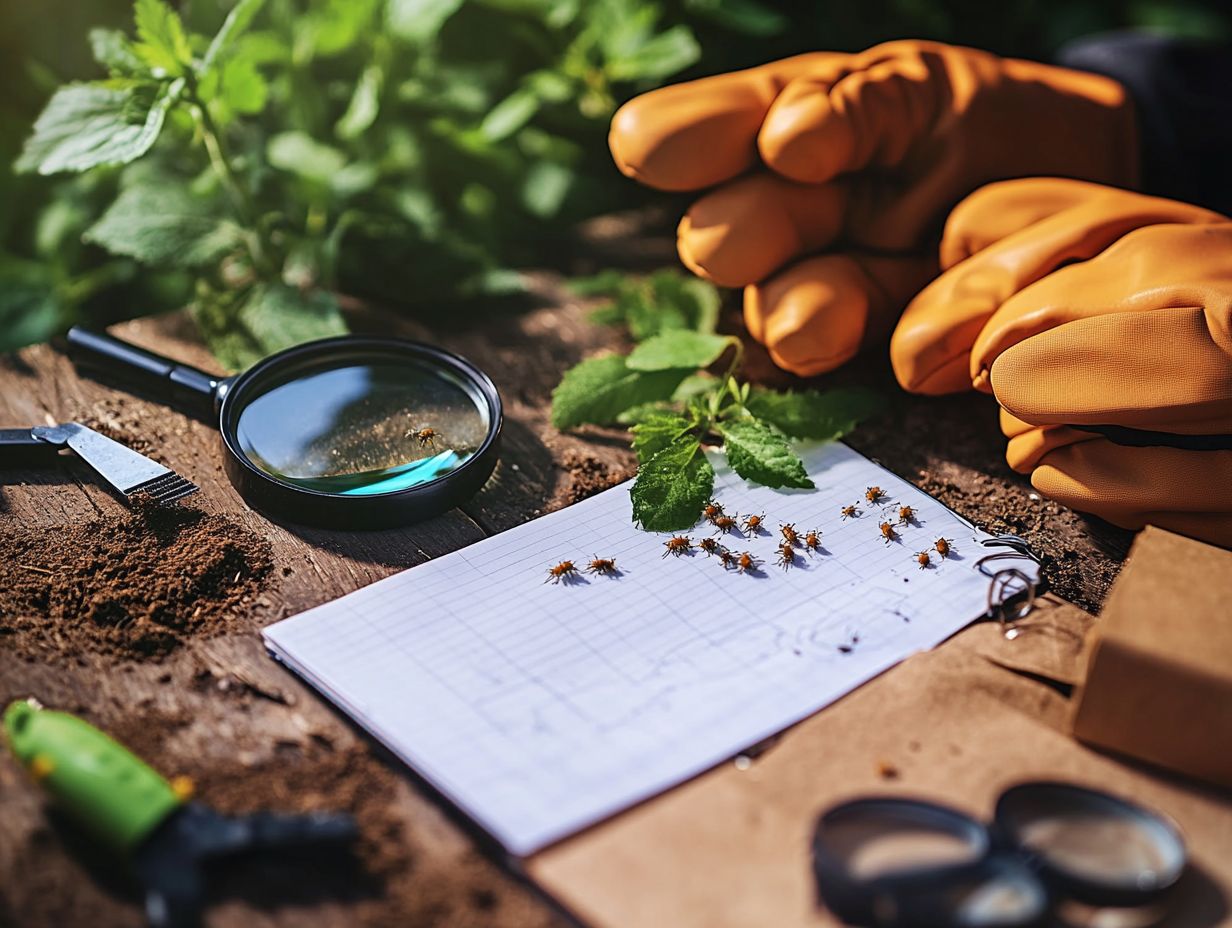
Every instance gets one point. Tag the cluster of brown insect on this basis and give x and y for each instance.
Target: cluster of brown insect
(890, 526)
(753, 525)
(567, 571)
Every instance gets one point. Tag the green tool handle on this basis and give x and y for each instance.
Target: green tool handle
(105, 788)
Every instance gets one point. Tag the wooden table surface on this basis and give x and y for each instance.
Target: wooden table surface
(221, 707)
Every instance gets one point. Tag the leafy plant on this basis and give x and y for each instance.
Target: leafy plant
(403, 150)
(676, 406)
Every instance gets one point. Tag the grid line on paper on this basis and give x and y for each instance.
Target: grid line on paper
(540, 708)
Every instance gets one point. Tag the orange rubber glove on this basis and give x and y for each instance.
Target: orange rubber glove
(862, 156)
(1102, 322)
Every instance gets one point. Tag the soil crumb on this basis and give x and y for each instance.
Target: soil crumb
(136, 585)
(121, 420)
(588, 475)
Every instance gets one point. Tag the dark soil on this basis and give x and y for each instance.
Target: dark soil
(588, 475)
(137, 585)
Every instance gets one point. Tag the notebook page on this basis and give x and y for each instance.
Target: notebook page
(540, 708)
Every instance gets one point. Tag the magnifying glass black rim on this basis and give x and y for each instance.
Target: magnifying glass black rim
(304, 505)
(1082, 888)
(855, 899)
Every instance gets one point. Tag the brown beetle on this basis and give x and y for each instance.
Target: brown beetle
(745, 563)
(724, 524)
(812, 541)
(562, 571)
(874, 494)
(602, 565)
(753, 524)
(787, 555)
(907, 516)
(712, 510)
(709, 545)
(677, 545)
(788, 532)
(727, 558)
(887, 532)
(944, 546)
(923, 559)
(851, 512)
(425, 436)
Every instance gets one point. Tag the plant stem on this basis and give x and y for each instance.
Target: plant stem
(241, 202)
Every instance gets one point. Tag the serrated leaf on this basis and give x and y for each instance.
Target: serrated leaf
(813, 414)
(757, 452)
(419, 21)
(656, 432)
(242, 329)
(114, 52)
(87, 125)
(672, 487)
(163, 46)
(600, 389)
(233, 26)
(164, 224)
(679, 348)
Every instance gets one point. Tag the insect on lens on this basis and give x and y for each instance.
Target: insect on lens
(363, 426)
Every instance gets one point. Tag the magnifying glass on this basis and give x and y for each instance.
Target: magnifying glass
(347, 432)
(905, 863)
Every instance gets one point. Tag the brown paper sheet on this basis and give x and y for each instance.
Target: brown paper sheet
(1159, 681)
(956, 725)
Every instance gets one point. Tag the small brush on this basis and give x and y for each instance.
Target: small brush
(125, 470)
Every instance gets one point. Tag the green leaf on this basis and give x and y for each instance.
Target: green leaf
(242, 87)
(30, 310)
(233, 26)
(114, 52)
(812, 414)
(365, 104)
(163, 46)
(299, 153)
(164, 224)
(510, 115)
(757, 452)
(87, 125)
(241, 330)
(419, 21)
(679, 348)
(747, 16)
(662, 56)
(672, 487)
(600, 389)
(545, 187)
(656, 432)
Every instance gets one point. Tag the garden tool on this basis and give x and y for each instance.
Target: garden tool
(126, 471)
(1102, 322)
(858, 156)
(130, 809)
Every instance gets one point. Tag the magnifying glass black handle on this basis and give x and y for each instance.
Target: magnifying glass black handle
(180, 385)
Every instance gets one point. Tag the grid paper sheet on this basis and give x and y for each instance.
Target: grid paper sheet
(541, 708)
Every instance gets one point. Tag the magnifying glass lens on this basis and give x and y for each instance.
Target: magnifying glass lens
(363, 426)
(1103, 847)
(873, 846)
(1096, 846)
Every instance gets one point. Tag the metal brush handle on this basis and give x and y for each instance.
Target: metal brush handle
(180, 385)
(22, 448)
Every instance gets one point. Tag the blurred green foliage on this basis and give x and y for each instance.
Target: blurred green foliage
(254, 159)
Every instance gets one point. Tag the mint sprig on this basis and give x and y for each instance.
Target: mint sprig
(677, 406)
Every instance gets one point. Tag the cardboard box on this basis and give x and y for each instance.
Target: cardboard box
(1158, 685)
